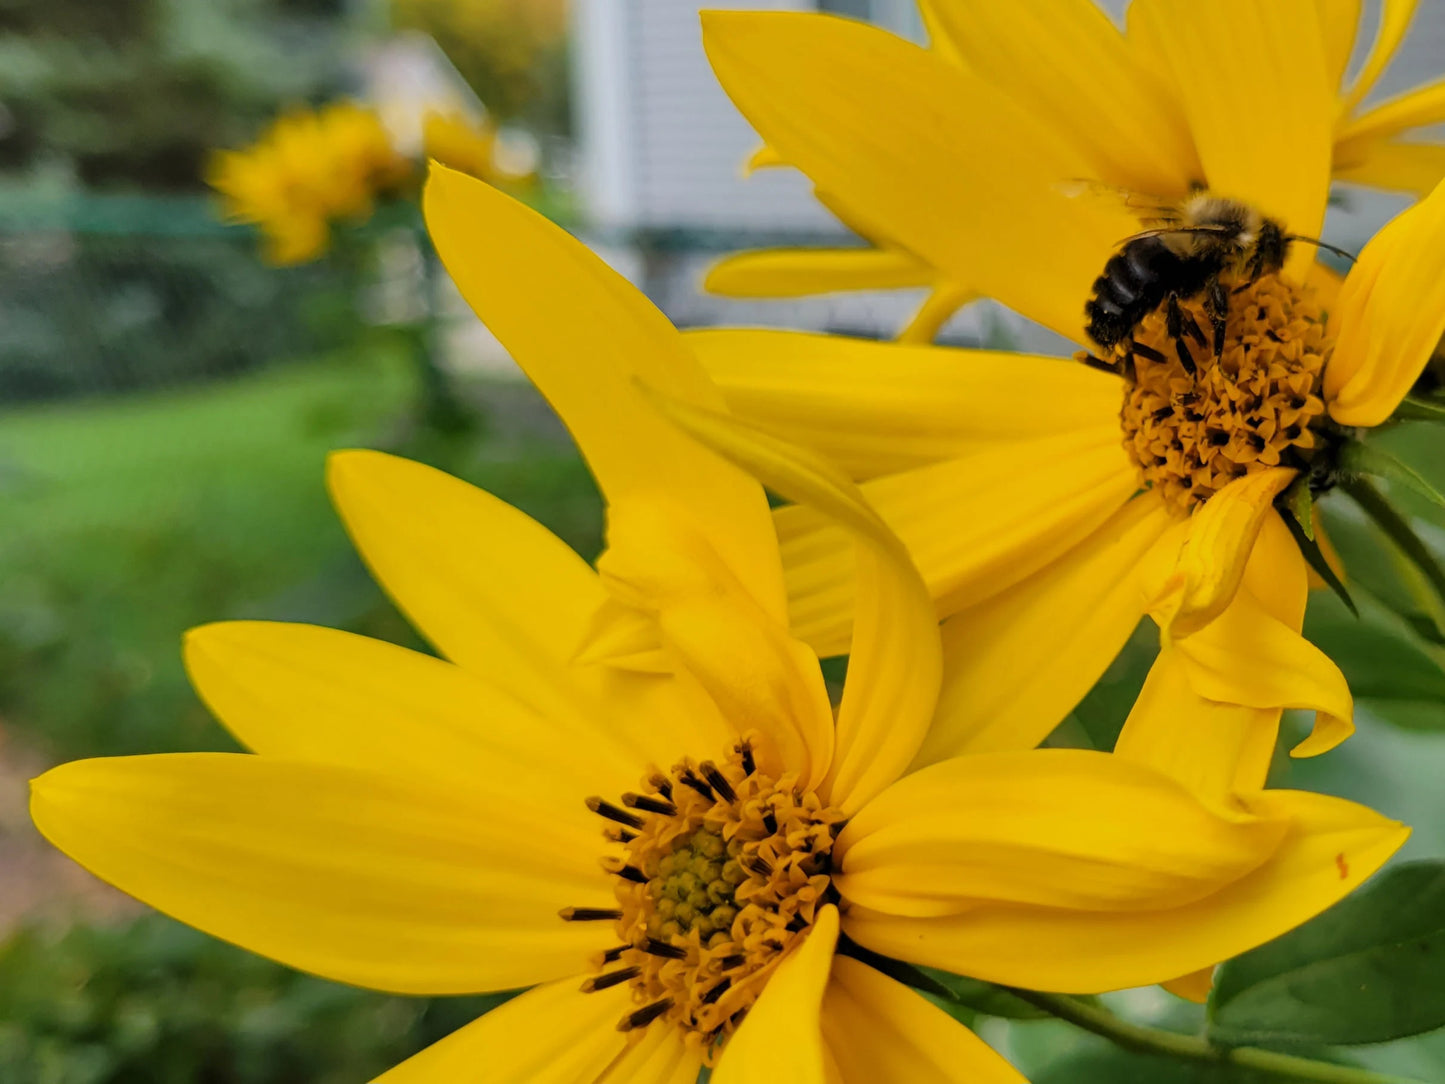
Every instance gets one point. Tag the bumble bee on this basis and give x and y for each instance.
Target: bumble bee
(1194, 248)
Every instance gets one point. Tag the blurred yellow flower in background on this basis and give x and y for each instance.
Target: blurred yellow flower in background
(447, 825)
(310, 169)
(467, 146)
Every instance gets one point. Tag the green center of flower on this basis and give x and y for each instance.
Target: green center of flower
(1195, 419)
(724, 868)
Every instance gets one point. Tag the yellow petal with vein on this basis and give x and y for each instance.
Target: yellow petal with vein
(1066, 63)
(1331, 847)
(898, 132)
(554, 1034)
(1395, 16)
(364, 878)
(880, 1030)
(1390, 316)
(317, 694)
(1339, 21)
(800, 272)
(584, 335)
(1210, 563)
(1015, 665)
(895, 659)
(1414, 109)
(1228, 55)
(1397, 166)
(875, 408)
(782, 1038)
(1067, 829)
(974, 526)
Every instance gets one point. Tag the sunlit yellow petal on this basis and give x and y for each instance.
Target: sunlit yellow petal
(763, 158)
(317, 694)
(1194, 986)
(937, 309)
(1413, 109)
(1332, 846)
(781, 1038)
(1070, 829)
(899, 131)
(1395, 16)
(753, 670)
(1210, 563)
(974, 526)
(1069, 65)
(799, 272)
(895, 659)
(1339, 20)
(1214, 749)
(1391, 314)
(1397, 166)
(876, 407)
(1015, 665)
(1226, 57)
(880, 1030)
(509, 263)
(360, 877)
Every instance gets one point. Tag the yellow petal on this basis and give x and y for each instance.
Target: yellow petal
(1068, 829)
(309, 693)
(937, 309)
(895, 659)
(1397, 166)
(781, 1038)
(1226, 57)
(763, 158)
(1414, 109)
(899, 132)
(554, 1034)
(584, 336)
(1390, 316)
(360, 877)
(1209, 565)
(752, 669)
(880, 1030)
(799, 272)
(1276, 573)
(1066, 63)
(875, 408)
(1215, 750)
(1339, 20)
(1395, 16)
(1194, 986)
(974, 526)
(1332, 846)
(1016, 665)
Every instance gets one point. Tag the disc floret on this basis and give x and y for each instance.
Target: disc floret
(724, 868)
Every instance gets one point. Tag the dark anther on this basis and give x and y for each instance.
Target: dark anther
(602, 982)
(589, 914)
(691, 780)
(770, 822)
(1148, 352)
(797, 924)
(612, 955)
(648, 803)
(653, 947)
(627, 873)
(614, 813)
(744, 749)
(716, 992)
(756, 863)
(719, 781)
(645, 1015)
(1270, 333)
(618, 834)
(729, 962)
(660, 784)
(1162, 413)
(1186, 359)
(1218, 437)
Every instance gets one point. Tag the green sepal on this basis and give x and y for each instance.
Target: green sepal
(1415, 409)
(1299, 502)
(1316, 559)
(1397, 528)
(1358, 458)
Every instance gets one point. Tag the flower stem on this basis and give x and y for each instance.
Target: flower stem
(1146, 1040)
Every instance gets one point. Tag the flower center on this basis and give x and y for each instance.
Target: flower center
(725, 868)
(1195, 419)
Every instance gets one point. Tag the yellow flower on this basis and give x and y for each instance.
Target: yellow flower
(1004, 474)
(628, 786)
(307, 171)
(456, 142)
(943, 158)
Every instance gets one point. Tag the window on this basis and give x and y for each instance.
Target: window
(899, 16)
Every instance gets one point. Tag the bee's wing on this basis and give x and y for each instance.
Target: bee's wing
(1148, 209)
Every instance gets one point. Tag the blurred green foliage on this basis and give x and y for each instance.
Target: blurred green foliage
(154, 1002)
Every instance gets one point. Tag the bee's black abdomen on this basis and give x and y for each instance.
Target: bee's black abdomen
(1135, 282)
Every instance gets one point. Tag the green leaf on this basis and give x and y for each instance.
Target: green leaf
(1413, 408)
(1366, 971)
(1124, 1067)
(1397, 528)
(1379, 570)
(1299, 501)
(1316, 560)
(1370, 459)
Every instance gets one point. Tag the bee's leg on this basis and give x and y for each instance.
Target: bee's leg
(1216, 304)
(1174, 325)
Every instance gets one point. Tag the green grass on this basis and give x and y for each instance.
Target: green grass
(124, 522)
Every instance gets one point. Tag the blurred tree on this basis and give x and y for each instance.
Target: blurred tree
(512, 52)
(134, 93)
